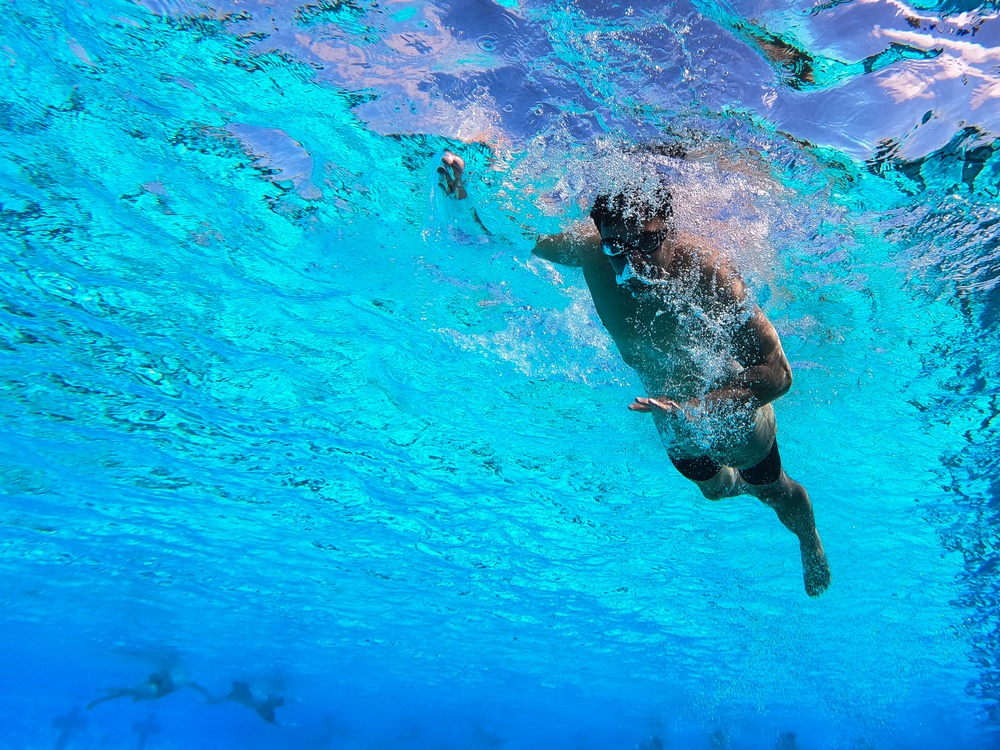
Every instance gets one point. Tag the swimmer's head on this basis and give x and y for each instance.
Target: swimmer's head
(632, 181)
(634, 208)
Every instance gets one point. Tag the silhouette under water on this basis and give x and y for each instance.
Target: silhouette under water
(157, 685)
(67, 726)
(243, 694)
(144, 730)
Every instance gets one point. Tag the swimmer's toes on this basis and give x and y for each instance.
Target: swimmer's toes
(817, 583)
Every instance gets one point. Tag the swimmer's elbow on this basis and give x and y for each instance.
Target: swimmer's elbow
(557, 249)
(783, 381)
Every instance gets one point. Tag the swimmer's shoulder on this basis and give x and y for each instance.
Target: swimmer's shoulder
(712, 271)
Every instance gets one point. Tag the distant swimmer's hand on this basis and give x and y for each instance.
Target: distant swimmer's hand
(650, 405)
(451, 171)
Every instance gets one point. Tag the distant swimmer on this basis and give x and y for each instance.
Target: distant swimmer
(156, 686)
(67, 725)
(144, 730)
(719, 740)
(242, 694)
(710, 361)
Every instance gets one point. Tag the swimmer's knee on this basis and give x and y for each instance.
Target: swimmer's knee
(713, 493)
(779, 492)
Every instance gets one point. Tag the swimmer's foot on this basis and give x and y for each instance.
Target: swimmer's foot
(815, 568)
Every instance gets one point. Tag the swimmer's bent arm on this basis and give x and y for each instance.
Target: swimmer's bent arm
(567, 247)
(766, 375)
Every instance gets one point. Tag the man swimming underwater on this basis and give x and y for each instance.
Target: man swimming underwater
(711, 362)
(157, 685)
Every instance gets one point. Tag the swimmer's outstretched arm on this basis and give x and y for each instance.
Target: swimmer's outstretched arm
(452, 172)
(113, 694)
(452, 180)
(564, 248)
(196, 687)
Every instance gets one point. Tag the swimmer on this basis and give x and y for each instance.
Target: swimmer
(263, 707)
(710, 361)
(67, 725)
(156, 686)
(144, 729)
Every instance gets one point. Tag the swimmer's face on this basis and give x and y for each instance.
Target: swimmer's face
(629, 246)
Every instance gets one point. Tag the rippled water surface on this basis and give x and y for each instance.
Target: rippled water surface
(275, 412)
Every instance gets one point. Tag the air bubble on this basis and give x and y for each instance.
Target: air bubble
(56, 285)
(487, 43)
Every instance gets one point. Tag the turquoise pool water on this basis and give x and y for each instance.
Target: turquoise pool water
(276, 412)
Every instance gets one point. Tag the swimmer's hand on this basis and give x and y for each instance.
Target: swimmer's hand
(450, 175)
(650, 405)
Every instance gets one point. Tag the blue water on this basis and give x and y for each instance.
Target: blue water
(275, 411)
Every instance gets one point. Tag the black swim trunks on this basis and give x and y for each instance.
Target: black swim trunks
(703, 468)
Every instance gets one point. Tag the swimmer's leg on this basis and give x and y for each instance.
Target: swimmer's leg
(769, 483)
(112, 694)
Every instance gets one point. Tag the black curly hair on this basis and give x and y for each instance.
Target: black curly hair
(634, 207)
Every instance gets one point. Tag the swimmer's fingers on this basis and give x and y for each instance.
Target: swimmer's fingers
(640, 405)
(650, 405)
(451, 185)
(455, 162)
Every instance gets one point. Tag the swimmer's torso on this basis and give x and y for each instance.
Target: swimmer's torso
(663, 331)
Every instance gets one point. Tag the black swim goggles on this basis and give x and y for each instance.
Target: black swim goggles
(646, 242)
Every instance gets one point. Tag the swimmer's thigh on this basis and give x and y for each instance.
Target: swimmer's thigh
(767, 471)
